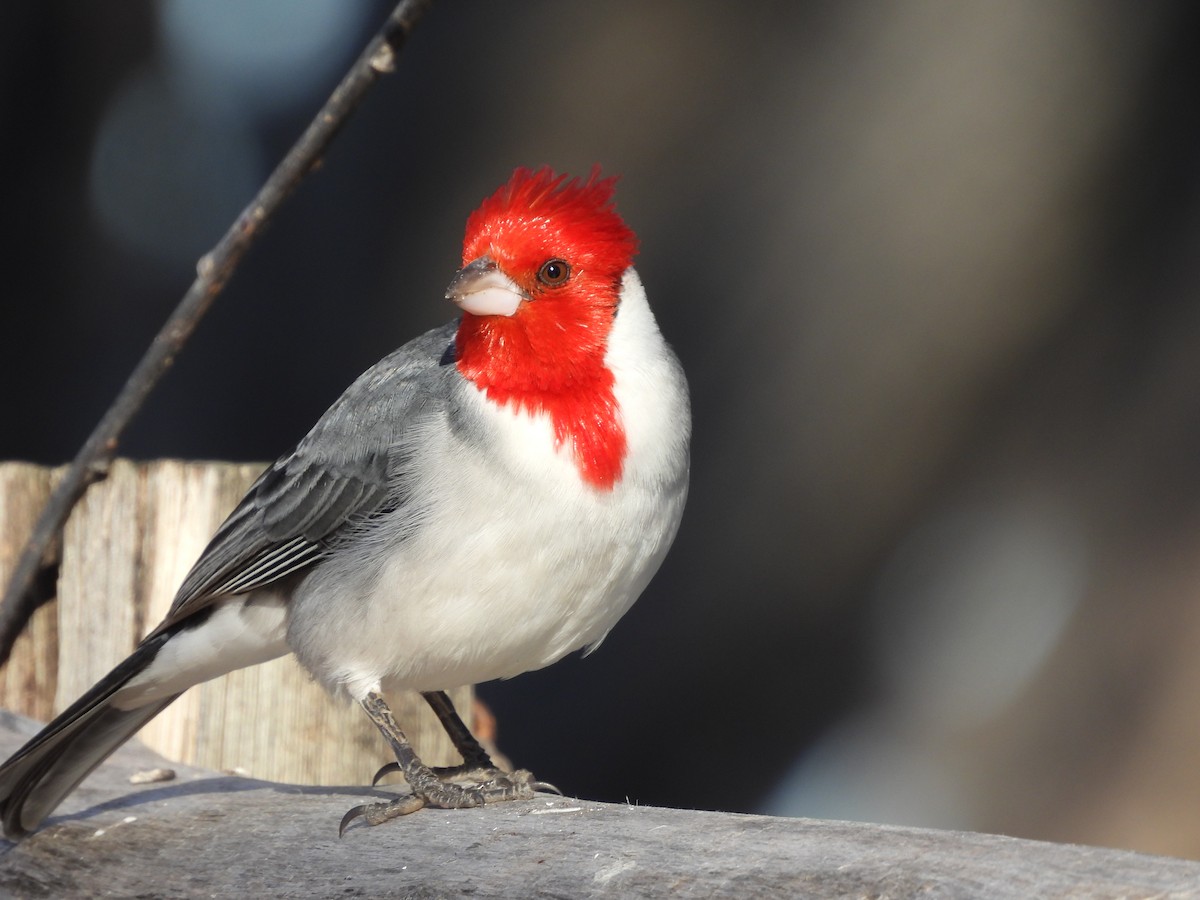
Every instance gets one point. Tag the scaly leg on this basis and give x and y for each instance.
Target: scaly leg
(476, 766)
(427, 788)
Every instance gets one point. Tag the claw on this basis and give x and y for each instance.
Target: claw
(389, 769)
(545, 786)
(350, 816)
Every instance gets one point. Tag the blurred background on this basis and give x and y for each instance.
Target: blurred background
(933, 271)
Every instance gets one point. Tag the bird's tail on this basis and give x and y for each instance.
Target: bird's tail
(39, 775)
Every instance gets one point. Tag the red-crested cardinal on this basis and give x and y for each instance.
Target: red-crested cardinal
(483, 501)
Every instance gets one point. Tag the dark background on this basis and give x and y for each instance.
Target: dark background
(932, 269)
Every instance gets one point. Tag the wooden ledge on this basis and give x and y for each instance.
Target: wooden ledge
(205, 834)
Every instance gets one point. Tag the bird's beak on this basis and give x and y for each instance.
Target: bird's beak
(481, 289)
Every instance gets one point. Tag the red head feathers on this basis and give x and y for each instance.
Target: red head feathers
(541, 212)
(563, 249)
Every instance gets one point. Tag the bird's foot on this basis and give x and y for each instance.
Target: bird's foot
(500, 787)
(434, 788)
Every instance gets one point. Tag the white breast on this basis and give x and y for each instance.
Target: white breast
(511, 561)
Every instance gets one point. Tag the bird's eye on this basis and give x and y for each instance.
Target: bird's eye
(554, 272)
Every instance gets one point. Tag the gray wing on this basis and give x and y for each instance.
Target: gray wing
(343, 472)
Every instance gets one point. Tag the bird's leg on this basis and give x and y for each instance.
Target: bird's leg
(427, 789)
(474, 756)
(476, 766)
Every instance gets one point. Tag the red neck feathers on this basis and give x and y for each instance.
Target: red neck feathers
(565, 248)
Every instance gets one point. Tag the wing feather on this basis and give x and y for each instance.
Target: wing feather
(336, 479)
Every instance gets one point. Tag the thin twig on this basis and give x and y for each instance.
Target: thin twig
(212, 272)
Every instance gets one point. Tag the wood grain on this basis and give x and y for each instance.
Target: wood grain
(29, 680)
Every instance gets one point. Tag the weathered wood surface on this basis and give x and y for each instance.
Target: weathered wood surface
(29, 680)
(125, 550)
(209, 835)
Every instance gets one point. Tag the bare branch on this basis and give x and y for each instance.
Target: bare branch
(212, 272)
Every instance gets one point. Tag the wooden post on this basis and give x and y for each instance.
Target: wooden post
(126, 548)
(29, 680)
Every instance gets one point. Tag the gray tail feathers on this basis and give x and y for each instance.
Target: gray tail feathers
(39, 775)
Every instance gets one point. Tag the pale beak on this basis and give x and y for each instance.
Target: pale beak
(481, 289)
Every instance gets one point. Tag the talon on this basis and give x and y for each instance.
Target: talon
(389, 769)
(349, 817)
(547, 787)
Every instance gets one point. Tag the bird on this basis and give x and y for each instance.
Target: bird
(481, 502)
